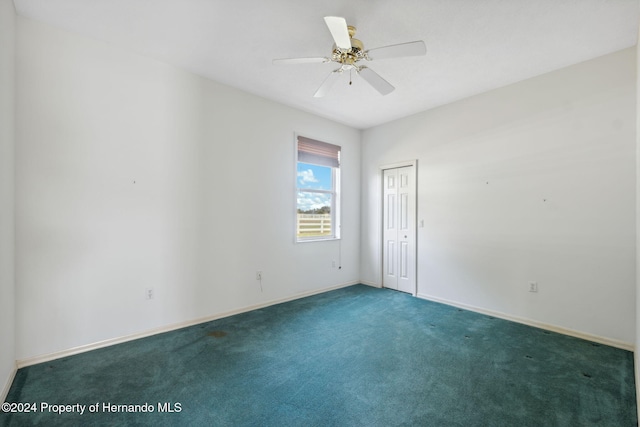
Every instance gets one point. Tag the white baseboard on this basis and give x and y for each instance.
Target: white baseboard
(372, 284)
(113, 341)
(7, 386)
(119, 340)
(529, 322)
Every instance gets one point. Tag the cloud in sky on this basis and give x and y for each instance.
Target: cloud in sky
(306, 177)
(308, 201)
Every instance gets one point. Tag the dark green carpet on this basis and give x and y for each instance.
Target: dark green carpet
(355, 356)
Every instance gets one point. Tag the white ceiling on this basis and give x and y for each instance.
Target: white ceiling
(472, 45)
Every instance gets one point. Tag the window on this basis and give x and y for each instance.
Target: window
(317, 190)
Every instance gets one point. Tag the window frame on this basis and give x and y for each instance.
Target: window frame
(334, 194)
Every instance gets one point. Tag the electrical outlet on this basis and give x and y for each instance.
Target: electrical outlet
(258, 275)
(333, 263)
(533, 286)
(149, 293)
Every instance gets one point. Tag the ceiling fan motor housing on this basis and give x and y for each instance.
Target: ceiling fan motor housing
(352, 55)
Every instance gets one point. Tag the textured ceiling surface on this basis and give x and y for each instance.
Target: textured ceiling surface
(472, 45)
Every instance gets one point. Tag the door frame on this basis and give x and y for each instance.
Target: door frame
(381, 169)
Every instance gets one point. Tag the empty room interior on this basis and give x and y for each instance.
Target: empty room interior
(319, 213)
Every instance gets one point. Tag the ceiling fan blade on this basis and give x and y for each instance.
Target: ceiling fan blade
(327, 83)
(287, 61)
(339, 31)
(416, 48)
(374, 79)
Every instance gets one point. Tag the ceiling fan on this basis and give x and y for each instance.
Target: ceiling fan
(348, 52)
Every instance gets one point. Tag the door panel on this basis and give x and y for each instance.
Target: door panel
(391, 212)
(390, 232)
(404, 211)
(391, 259)
(404, 260)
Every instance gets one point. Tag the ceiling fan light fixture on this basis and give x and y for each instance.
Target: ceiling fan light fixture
(352, 55)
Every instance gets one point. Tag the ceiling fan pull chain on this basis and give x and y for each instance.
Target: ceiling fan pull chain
(350, 77)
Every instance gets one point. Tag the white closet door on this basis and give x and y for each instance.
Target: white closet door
(399, 229)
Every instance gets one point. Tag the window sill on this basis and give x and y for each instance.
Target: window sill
(317, 239)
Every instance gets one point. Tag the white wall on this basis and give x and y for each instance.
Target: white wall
(530, 182)
(134, 174)
(7, 296)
